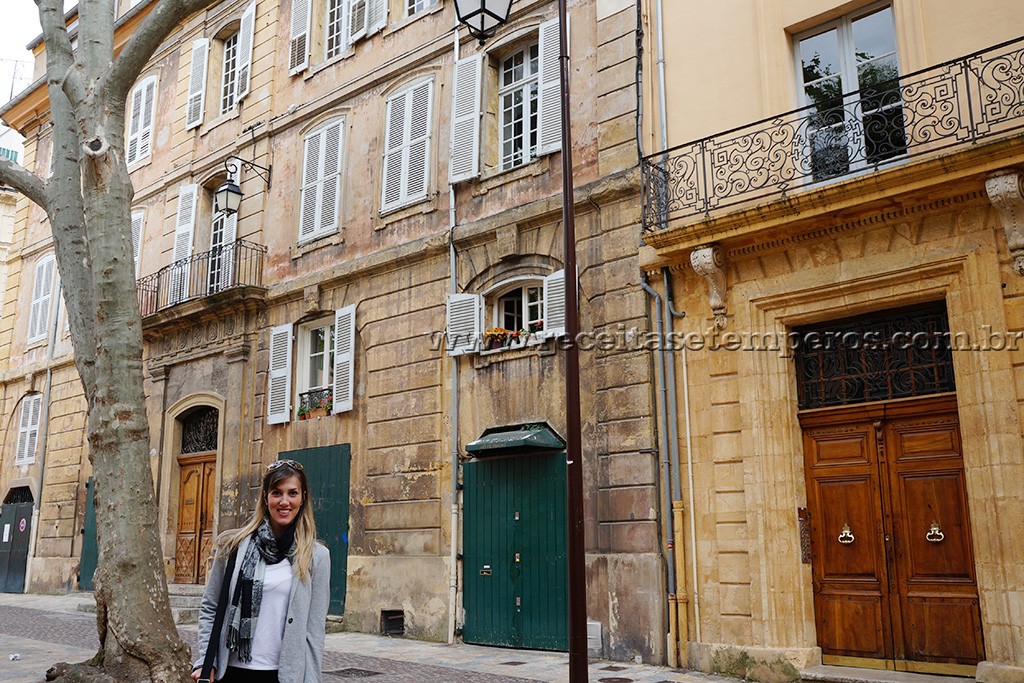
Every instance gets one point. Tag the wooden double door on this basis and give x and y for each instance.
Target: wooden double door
(891, 551)
(196, 490)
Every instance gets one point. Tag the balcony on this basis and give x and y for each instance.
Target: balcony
(957, 104)
(234, 266)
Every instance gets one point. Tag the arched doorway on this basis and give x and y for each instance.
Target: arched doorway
(15, 532)
(197, 462)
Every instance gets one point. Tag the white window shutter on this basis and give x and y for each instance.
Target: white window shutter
(246, 32)
(330, 179)
(465, 142)
(357, 15)
(227, 253)
(279, 377)
(464, 314)
(418, 155)
(344, 357)
(394, 136)
(42, 295)
(549, 91)
(134, 124)
(298, 45)
(376, 15)
(148, 116)
(308, 196)
(137, 219)
(28, 432)
(196, 106)
(183, 231)
(554, 304)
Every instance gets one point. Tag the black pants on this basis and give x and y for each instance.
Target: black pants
(237, 675)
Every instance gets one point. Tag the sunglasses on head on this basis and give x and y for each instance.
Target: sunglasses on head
(294, 464)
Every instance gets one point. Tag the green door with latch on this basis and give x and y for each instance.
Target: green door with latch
(90, 547)
(515, 558)
(327, 471)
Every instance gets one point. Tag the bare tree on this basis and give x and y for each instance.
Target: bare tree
(88, 201)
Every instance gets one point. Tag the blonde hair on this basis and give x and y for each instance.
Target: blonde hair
(305, 525)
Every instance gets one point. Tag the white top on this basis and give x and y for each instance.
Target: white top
(266, 641)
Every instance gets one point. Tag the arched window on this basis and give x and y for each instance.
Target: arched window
(199, 430)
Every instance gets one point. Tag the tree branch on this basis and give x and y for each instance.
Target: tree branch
(61, 68)
(95, 37)
(152, 31)
(24, 181)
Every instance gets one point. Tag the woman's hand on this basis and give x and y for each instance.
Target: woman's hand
(196, 673)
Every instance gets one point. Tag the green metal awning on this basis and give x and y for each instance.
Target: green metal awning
(526, 438)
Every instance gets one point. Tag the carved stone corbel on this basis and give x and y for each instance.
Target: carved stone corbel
(1007, 196)
(311, 298)
(708, 261)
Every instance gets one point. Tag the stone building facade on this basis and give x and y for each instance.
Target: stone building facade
(401, 193)
(847, 254)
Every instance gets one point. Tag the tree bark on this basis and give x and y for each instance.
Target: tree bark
(88, 203)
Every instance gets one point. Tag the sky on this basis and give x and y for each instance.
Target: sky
(20, 25)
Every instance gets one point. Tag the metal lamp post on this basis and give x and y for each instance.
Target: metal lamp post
(483, 18)
(227, 198)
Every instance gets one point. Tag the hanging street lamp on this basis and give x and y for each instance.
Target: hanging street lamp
(227, 198)
(483, 17)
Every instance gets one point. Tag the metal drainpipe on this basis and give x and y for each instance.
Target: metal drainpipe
(44, 421)
(672, 314)
(666, 471)
(453, 573)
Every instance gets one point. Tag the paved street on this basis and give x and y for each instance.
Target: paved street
(44, 629)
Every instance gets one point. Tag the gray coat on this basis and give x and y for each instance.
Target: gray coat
(302, 650)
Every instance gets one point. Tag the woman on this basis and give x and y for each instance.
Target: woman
(273, 624)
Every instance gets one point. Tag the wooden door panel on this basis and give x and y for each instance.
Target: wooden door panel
(189, 491)
(850, 625)
(935, 498)
(206, 519)
(840, 450)
(848, 503)
(939, 441)
(942, 629)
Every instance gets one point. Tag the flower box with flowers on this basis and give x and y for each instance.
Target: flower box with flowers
(317, 410)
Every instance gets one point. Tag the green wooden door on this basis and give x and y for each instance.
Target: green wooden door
(327, 470)
(514, 541)
(90, 547)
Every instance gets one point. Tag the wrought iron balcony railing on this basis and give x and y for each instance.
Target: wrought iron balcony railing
(238, 264)
(959, 102)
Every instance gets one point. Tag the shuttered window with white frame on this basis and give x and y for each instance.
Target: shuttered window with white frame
(42, 297)
(406, 166)
(184, 230)
(298, 39)
(195, 108)
(335, 28)
(279, 375)
(344, 358)
(320, 195)
(376, 15)
(464, 323)
(140, 121)
(138, 218)
(549, 124)
(466, 112)
(356, 10)
(28, 429)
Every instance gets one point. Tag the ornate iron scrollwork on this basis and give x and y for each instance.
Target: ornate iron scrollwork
(199, 431)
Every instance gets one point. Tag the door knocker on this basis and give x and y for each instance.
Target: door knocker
(935, 534)
(846, 537)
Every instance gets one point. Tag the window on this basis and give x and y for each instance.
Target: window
(323, 367)
(407, 146)
(518, 107)
(534, 306)
(847, 72)
(343, 23)
(229, 74)
(235, 69)
(528, 91)
(223, 232)
(42, 294)
(320, 199)
(28, 430)
(416, 6)
(140, 120)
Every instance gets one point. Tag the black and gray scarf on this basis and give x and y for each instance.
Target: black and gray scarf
(264, 548)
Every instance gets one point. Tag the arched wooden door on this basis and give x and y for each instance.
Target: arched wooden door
(197, 486)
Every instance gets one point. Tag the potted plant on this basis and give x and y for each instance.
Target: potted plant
(496, 338)
(321, 409)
